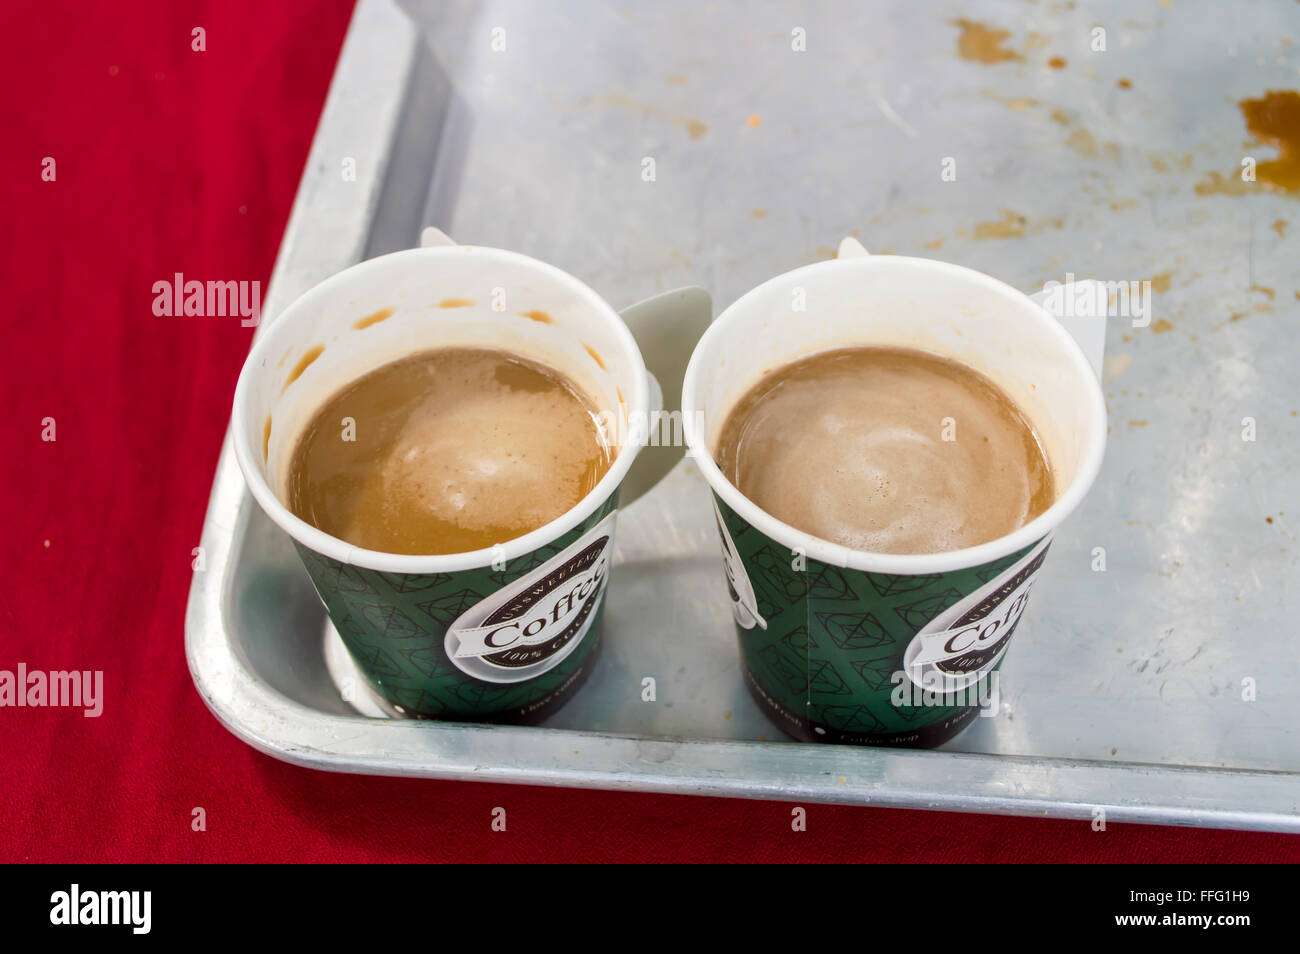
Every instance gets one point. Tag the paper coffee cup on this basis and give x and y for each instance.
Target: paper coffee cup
(500, 634)
(841, 645)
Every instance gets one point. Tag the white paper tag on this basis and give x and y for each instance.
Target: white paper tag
(744, 604)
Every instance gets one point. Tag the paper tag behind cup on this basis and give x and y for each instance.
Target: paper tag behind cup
(531, 625)
(744, 604)
(968, 639)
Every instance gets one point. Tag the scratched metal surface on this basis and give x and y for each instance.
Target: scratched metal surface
(1122, 688)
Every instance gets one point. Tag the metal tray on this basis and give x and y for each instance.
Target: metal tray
(1124, 689)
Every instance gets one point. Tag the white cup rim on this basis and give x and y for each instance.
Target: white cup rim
(824, 551)
(334, 548)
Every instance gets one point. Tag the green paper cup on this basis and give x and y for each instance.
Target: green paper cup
(841, 645)
(501, 634)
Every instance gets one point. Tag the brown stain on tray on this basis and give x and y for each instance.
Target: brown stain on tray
(1161, 326)
(1012, 225)
(374, 318)
(1274, 120)
(304, 362)
(1015, 104)
(694, 128)
(1057, 62)
(1224, 185)
(983, 44)
(1085, 144)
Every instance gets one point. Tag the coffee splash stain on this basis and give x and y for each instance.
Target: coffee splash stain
(1265, 290)
(1057, 62)
(595, 356)
(1161, 326)
(1239, 315)
(1161, 282)
(311, 355)
(1124, 84)
(1279, 226)
(1086, 145)
(760, 213)
(1133, 423)
(937, 243)
(675, 79)
(1082, 142)
(539, 316)
(1274, 120)
(1015, 104)
(694, 128)
(1160, 164)
(1061, 116)
(456, 303)
(1223, 185)
(754, 121)
(266, 440)
(983, 44)
(1012, 225)
(1123, 204)
(374, 318)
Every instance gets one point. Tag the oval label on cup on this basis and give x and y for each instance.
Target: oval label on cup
(969, 638)
(532, 624)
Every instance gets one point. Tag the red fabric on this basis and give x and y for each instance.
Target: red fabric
(174, 160)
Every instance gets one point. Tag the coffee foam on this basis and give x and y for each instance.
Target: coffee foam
(849, 446)
(456, 450)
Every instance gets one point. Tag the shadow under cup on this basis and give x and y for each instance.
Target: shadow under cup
(505, 634)
(840, 645)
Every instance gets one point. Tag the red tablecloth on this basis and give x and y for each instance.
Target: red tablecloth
(172, 160)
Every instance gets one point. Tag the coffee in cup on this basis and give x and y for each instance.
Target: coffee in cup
(447, 451)
(890, 450)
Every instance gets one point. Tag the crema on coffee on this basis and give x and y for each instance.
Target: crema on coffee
(889, 450)
(447, 451)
